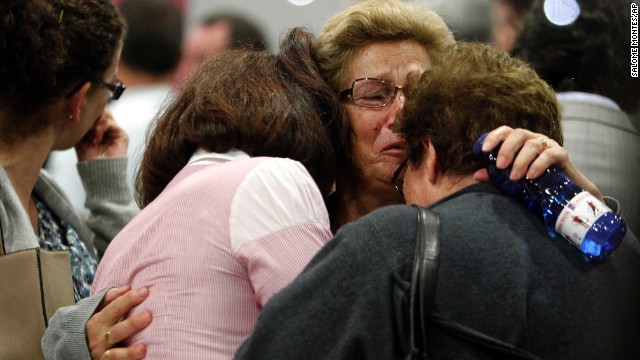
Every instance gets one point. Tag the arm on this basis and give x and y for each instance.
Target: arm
(67, 337)
(109, 198)
(530, 158)
(103, 169)
(278, 222)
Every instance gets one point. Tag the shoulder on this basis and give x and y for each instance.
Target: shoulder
(386, 230)
(276, 177)
(383, 220)
(275, 194)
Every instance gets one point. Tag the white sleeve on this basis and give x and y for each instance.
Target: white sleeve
(278, 222)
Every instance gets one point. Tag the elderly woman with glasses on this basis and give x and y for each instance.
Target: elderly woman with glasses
(366, 53)
(58, 71)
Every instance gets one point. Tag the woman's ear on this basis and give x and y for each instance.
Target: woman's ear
(76, 101)
(432, 166)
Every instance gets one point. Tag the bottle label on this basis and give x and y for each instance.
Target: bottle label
(578, 215)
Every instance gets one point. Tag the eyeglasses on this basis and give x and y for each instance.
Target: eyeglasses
(115, 89)
(394, 180)
(371, 92)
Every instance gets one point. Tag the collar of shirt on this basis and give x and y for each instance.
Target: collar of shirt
(202, 157)
(588, 98)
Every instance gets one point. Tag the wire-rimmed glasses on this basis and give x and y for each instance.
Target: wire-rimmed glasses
(116, 89)
(371, 92)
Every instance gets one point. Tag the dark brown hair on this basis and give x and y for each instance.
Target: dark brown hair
(48, 47)
(472, 89)
(257, 102)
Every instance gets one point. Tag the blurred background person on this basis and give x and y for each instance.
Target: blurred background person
(214, 34)
(582, 51)
(468, 20)
(507, 18)
(150, 55)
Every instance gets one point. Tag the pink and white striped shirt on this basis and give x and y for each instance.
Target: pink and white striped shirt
(218, 242)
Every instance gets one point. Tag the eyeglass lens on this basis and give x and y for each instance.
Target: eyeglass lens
(116, 89)
(373, 92)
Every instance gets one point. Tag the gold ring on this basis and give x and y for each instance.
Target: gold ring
(107, 337)
(543, 141)
(106, 355)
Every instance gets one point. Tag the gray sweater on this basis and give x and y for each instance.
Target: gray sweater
(111, 205)
(500, 274)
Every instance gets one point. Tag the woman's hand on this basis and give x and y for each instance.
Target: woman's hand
(105, 139)
(109, 317)
(533, 154)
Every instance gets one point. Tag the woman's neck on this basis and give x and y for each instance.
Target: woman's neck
(22, 162)
(355, 199)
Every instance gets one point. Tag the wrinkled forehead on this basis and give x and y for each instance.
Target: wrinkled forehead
(391, 61)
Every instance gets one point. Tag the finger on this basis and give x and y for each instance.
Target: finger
(129, 326)
(495, 137)
(513, 144)
(554, 155)
(107, 113)
(123, 304)
(113, 294)
(132, 352)
(100, 128)
(524, 157)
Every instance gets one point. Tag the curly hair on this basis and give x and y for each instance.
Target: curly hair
(254, 101)
(472, 89)
(346, 33)
(589, 55)
(46, 47)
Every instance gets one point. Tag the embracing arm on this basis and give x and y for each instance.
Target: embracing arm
(278, 223)
(77, 331)
(109, 198)
(103, 169)
(530, 157)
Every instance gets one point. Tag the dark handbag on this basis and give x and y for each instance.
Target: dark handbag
(424, 277)
(34, 283)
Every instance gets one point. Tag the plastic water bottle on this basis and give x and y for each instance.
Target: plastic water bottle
(565, 208)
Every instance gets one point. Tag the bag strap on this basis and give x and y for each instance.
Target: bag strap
(424, 278)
